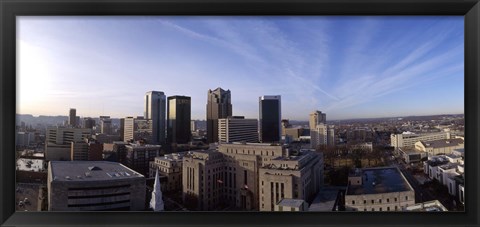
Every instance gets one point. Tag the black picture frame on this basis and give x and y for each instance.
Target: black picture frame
(9, 9)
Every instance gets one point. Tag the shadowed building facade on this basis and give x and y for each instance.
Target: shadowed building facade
(155, 102)
(72, 117)
(270, 118)
(219, 105)
(178, 119)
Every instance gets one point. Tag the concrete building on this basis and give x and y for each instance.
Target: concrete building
(241, 175)
(88, 122)
(293, 133)
(202, 182)
(86, 150)
(270, 116)
(155, 102)
(408, 139)
(79, 151)
(169, 166)
(378, 189)
(291, 205)
(296, 175)
(58, 141)
(23, 139)
(72, 117)
(429, 206)
(320, 132)
(139, 156)
(436, 147)
(178, 119)
(139, 128)
(105, 125)
(237, 129)
(219, 105)
(94, 186)
(317, 117)
(410, 155)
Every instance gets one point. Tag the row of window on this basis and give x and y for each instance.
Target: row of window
(379, 200)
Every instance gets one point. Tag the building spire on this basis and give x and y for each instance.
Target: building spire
(156, 203)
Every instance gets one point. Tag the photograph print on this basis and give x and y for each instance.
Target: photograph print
(240, 113)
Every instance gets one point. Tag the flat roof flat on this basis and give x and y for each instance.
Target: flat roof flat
(90, 171)
(380, 180)
(291, 202)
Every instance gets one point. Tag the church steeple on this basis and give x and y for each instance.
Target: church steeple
(157, 202)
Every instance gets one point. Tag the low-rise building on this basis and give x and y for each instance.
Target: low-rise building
(94, 186)
(169, 166)
(378, 189)
(291, 205)
(429, 206)
(408, 139)
(411, 155)
(139, 156)
(436, 147)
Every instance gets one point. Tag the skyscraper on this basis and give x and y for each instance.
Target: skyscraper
(178, 119)
(316, 118)
(105, 125)
(270, 117)
(237, 129)
(219, 105)
(320, 132)
(155, 110)
(72, 118)
(88, 122)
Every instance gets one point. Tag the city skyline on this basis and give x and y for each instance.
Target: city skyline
(347, 67)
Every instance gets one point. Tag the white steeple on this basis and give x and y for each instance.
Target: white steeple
(157, 202)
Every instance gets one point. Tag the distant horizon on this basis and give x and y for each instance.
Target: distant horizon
(349, 67)
(403, 116)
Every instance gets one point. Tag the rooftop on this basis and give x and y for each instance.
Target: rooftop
(429, 206)
(380, 180)
(33, 165)
(291, 202)
(90, 170)
(443, 143)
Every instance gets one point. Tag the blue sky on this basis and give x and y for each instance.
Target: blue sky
(347, 67)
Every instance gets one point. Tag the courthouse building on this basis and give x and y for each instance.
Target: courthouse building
(250, 176)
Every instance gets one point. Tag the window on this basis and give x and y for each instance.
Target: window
(395, 199)
(388, 200)
(380, 209)
(380, 200)
(364, 201)
(353, 202)
(373, 201)
(406, 197)
(396, 208)
(388, 208)
(373, 209)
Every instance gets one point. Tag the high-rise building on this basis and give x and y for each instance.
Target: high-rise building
(270, 116)
(105, 125)
(88, 123)
(320, 132)
(72, 117)
(317, 117)
(237, 129)
(136, 129)
(219, 105)
(122, 128)
(155, 102)
(178, 119)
